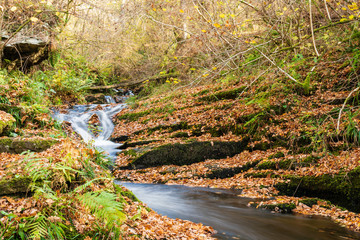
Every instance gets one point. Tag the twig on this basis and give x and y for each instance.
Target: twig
(168, 25)
(280, 69)
(312, 30)
(250, 5)
(343, 106)
(254, 81)
(327, 10)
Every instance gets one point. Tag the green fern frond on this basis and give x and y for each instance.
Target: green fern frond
(42, 228)
(104, 205)
(88, 183)
(38, 229)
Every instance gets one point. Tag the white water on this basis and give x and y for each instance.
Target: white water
(79, 117)
(110, 99)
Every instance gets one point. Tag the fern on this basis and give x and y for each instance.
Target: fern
(35, 168)
(104, 205)
(88, 183)
(42, 228)
(38, 229)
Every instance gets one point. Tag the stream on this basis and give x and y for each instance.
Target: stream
(222, 209)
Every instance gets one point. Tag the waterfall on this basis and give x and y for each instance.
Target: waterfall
(79, 117)
(110, 99)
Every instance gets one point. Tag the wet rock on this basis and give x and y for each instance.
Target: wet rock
(98, 98)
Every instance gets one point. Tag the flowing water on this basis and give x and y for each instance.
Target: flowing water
(79, 117)
(221, 209)
(229, 215)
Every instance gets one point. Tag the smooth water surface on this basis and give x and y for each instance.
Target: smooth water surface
(230, 216)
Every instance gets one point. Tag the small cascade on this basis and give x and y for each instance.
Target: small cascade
(79, 117)
(110, 99)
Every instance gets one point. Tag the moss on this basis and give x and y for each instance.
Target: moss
(284, 164)
(17, 145)
(134, 116)
(135, 144)
(277, 155)
(203, 92)
(230, 172)
(180, 135)
(167, 128)
(280, 207)
(130, 152)
(127, 194)
(342, 189)
(309, 160)
(35, 145)
(310, 201)
(184, 154)
(230, 94)
(16, 112)
(14, 185)
(287, 164)
(130, 195)
(261, 174)
(6, 127)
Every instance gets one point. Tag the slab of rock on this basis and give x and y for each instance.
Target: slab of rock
(19, 145)
(24, 46)
(24, 52)
(14, 185)
(186, 154)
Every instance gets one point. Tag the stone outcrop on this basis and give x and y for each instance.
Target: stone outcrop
(24, 52)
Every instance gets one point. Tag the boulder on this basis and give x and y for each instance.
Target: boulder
(25, 51)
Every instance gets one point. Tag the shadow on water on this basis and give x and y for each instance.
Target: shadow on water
(230, 216)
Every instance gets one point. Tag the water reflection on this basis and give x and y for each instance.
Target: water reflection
(231, 217)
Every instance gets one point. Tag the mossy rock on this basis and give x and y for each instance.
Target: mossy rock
(16, 112)
(127, 194)
(18, 145)
(280, 207)
(341, 189)
(230, 172)
(275, 165)
(185, 154)
(14, 186)
(277, 155)
(7, 123)
(180, 135)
